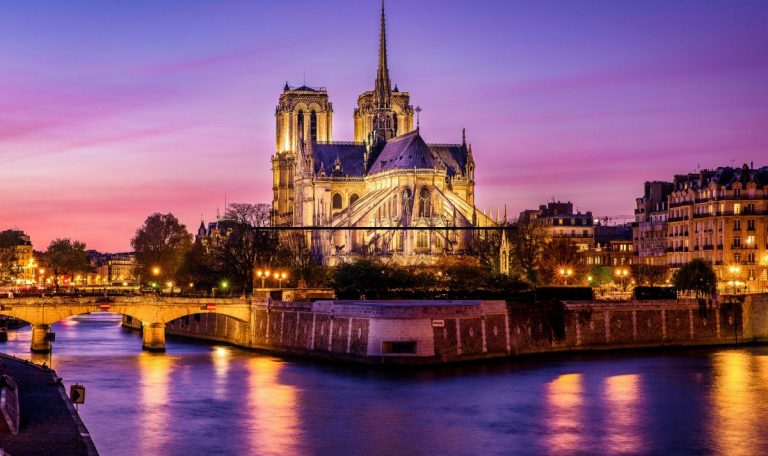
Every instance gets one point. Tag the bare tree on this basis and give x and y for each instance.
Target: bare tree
(248, 244)
(528, 241)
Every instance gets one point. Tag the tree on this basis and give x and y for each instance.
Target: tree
(67, 257)
(647, 274)
(365, 278)
(528, 241)
(248, 245)
(698, 277)
(561, 264)
(9, 267)
(160, 244)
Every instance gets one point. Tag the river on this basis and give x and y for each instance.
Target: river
(215, 399)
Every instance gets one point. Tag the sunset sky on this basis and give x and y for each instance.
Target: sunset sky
(110, 111)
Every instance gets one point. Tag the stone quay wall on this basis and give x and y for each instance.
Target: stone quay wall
(433, 332)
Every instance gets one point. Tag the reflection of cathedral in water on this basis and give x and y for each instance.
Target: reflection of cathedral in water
(388, 178)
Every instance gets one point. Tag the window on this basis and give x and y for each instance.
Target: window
(300, 123)
(751, 225)
(750, 240)
(422, 240)
(424, 203)
(336, 201)
(737, 257)
(737, 241)
(394, 124)
(737, 225)
(353, 198)
(313, 125)
(736, 208)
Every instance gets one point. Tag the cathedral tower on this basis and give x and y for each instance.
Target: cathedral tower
(302, 114)
(383, 113)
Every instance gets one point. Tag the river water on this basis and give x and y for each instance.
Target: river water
(218, 400)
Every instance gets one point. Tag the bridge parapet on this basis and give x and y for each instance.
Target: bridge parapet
(153, 312)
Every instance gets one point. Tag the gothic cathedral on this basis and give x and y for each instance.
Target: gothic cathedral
(387, 193)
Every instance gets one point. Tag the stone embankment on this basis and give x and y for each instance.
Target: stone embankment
(45, 421)
(434, 332)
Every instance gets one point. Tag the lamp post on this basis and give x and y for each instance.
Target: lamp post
(734, 270)
(565, 273)
(263, 275)
(621, 274)
(280, 277)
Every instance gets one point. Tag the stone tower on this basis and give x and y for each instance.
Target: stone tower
(303, 114)
(382, 113)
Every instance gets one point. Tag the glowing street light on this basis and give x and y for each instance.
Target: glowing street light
(622, 274)
(735, 271)
(156, 271)
(280, 277)
(565, 273)
(263, 275)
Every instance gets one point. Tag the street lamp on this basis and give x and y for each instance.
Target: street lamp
(156, 271)
(224, 285)
(263, 275)
(734, 270)
(565, 273)
(622, 274)
(280, 278)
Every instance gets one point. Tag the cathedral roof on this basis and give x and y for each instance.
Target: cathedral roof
(407, 151)
(350, 156)
(453, 156)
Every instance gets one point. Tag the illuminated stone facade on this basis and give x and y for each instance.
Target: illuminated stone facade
(388, 178)
(720, 216)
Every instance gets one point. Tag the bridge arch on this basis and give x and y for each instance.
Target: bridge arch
(152, 311)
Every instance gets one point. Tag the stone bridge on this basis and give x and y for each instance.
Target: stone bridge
(152, 311)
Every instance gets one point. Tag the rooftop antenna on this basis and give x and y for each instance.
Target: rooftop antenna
(418, 117)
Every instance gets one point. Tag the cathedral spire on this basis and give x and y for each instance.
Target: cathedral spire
(383, 91)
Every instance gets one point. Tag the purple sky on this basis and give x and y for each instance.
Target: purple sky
(110, 111)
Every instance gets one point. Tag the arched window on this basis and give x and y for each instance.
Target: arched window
(336, 201)
(313, 125)
(407, 201)
(394, 123)
(424, 203)
(353, 198)
(300, 124)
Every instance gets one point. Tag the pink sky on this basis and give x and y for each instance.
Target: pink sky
(109, 113)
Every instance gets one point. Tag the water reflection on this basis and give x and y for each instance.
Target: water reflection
(273, 421)
(154, 369)
(739, 389)
(622, 395)
(564, 407)
(221, 358)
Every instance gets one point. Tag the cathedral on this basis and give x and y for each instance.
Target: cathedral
(387, 193)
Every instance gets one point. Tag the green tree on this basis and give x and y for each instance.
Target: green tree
(697, 277)
(67, 257)
(160, 244)
(365, 278)
(9, 267)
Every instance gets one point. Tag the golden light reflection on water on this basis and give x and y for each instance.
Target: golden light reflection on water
(221, 357)
(740, 387)
(622, 395)
(273, 408)
(154, 369)
(565, 408)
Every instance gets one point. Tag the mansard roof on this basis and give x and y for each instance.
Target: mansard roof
(350, 155)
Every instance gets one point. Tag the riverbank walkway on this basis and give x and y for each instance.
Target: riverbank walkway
(49, 424)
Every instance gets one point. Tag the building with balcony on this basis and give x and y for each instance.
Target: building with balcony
(720, 216)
